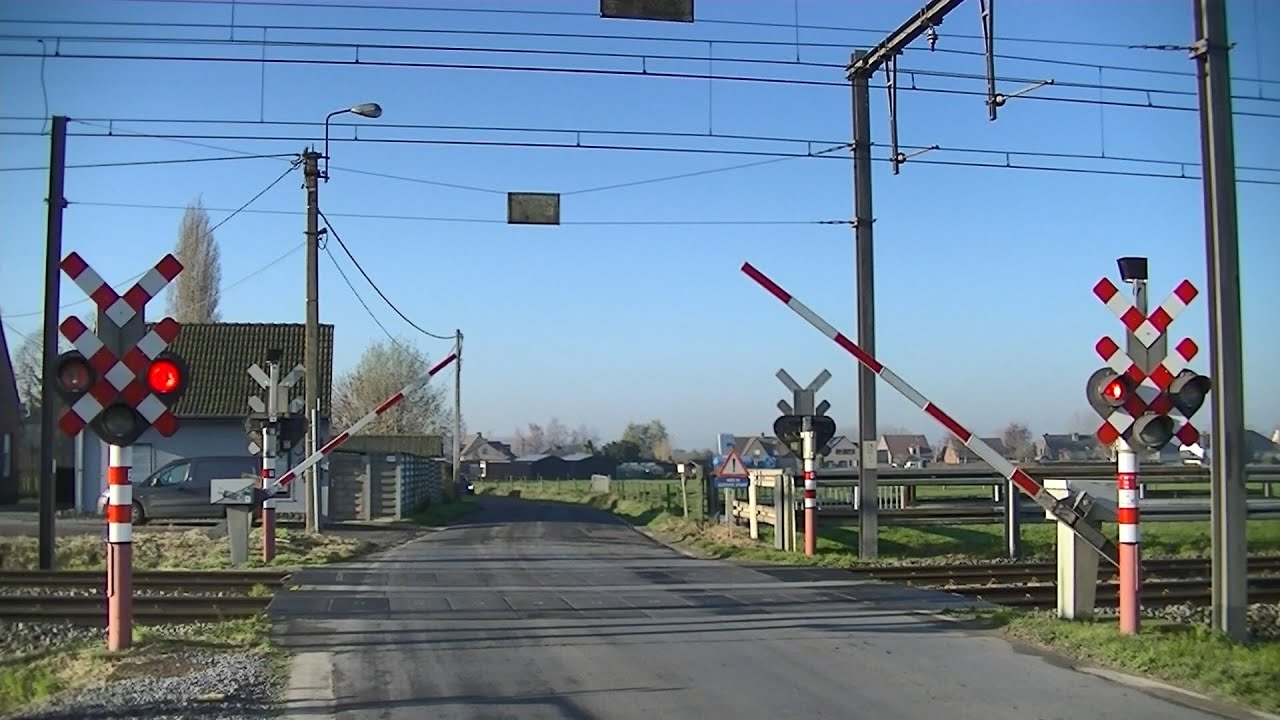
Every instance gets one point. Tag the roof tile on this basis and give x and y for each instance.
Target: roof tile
(218, 356)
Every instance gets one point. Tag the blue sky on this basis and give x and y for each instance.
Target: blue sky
(983, 275)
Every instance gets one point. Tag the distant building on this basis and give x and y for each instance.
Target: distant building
(1072, 447)
(1258, 449)
(11, 414)
(954, 452)
(584, 465)
(757, 451)
(841, 452)
(899, 450)
(529, 467)
(476, 447)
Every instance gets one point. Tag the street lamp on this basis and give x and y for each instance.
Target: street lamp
(369, 110)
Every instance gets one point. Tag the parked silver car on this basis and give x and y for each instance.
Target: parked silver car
(180, 488)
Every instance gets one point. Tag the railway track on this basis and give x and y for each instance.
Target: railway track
(1156, 592)
(1033, 585)
(192, 580)
(160, 596)
(147, 609)
(1032, 572)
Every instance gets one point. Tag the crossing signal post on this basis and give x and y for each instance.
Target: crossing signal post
(275, 421)
(805, 427)
(1145, 397)
(120, 381)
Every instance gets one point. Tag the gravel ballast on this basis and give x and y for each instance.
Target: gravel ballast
(156, 683)
(207, 685)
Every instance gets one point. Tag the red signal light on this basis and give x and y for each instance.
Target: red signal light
(1114, 390)
(164, 376)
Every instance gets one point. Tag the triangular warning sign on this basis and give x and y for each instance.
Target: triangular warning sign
(732, 466)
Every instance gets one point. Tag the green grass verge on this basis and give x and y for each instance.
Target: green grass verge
(837, 544)
(445, 513)
(190, 550)
(1193, 657)
(32, 678)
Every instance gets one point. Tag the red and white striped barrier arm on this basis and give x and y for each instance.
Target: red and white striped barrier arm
(359, 425)
(1014, 474)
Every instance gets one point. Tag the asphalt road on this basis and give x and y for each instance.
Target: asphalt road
(540, 611)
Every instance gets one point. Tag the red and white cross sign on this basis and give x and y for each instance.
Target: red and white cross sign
(122, 377)
(121, 308)
(1151, 388)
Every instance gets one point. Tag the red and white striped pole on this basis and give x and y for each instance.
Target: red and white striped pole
(270, 433)
(268, 503)
(810, 490)
(119, 549)
(1127, 519)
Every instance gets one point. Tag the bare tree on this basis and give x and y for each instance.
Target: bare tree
(530, 440)
(384, 369)
(28, 362)
(194, 294)
(583, 436)
(651, 438)
(28, 374)
(1017, 438)
(556, 434)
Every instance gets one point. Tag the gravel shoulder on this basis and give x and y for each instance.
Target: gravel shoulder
(218, 671)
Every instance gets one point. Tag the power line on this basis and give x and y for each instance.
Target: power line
(219, 224)
(360, 299)
(642, 72)
(1005, 158)
(644, 57)
(110, 126)
(111, 130)
(611, 38)
(595, 16)
(700, 173)
(577, 135)
(133, 163)
(374, 285)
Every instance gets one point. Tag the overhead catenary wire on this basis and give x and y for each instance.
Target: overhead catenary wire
(577, 134)
(644, 57)
(137, 163)
(1005, 157)
(293, 166)
(639, 72)
(112, 127)
(374, 285)
(486, 221)
(401, 28)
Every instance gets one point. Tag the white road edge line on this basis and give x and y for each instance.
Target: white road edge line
(310, 693)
